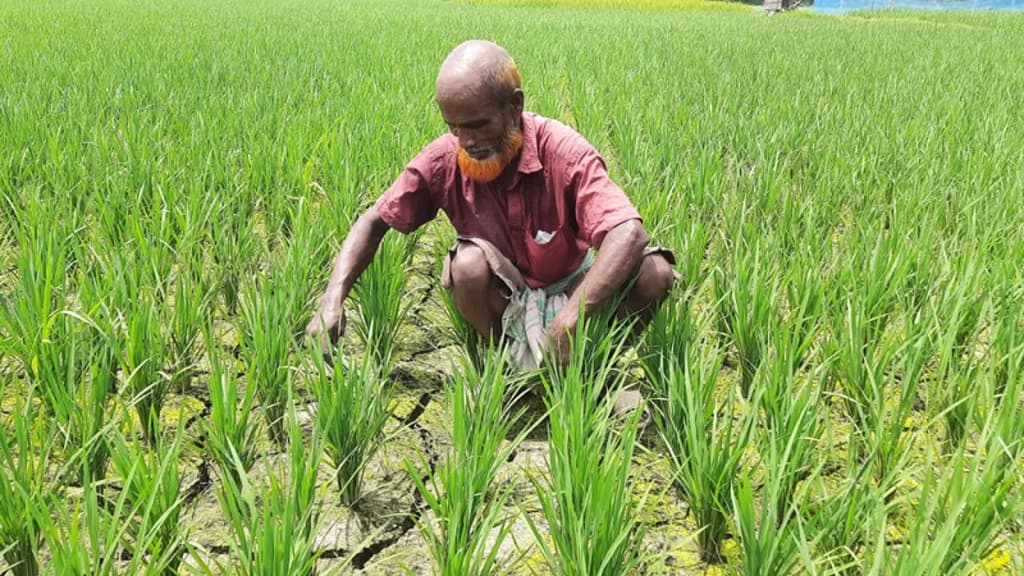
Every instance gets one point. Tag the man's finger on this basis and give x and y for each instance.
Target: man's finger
(328, 354)
(311, 331)
(327, 346)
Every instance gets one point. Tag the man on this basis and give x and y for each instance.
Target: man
(528, 197)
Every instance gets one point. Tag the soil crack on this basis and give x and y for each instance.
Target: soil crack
(407, 522)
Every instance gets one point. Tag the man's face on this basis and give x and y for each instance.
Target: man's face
(488, 133)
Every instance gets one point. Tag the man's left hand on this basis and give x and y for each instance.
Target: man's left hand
(558, 337)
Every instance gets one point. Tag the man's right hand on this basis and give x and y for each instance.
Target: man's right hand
(327, 325)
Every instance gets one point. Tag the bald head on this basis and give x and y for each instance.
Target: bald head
(478, 69)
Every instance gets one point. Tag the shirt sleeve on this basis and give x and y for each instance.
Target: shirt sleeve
(600, 203)
(410, 202)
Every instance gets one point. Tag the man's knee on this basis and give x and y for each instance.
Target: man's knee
(654, 280)
(469, 268)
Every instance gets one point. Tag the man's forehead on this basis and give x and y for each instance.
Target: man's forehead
(465, 98)
(461, 84)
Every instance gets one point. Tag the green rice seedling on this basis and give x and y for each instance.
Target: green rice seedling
(463, 331)
(863, 366)
(26, 445)
(353, 405)
(234, 250)
(588, 499)
(143, 351)
(955, 313)
(1008, 426)
(839, 521)
(192, 214)
(851, 355)
(802, 226)
(88, 535)
(805, 308)
(467, 507)
(232, 432)
(184, 312)
(281, 207)
(152, 237)
(794, 338)
(274, 532)
(299, 261)
(957, 308)
(773, 541)
(139, 523)
(957, 402)
(77, 371)
(152, 484)
(1007, 351)
(885, 441)
(100, 324)
(308, 255)
(117, 526)
(771, 544)
(747, 302)
(694, 240)
(380, 301)
(866, 296)
(94, 401)
(792, 432)
(266, 343)
(112, 217)
(133, 314)
(668, 337)
(59, 369)
(30, 310)
(961, 514)
(705, 443)
(889, 442)
(882, 404)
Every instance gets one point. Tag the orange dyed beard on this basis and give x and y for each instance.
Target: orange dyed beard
(488, 170)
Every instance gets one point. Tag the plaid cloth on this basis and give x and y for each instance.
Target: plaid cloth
(529, 315)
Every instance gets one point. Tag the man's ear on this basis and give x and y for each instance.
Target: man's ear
(516, 101)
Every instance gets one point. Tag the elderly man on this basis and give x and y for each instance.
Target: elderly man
(529, 198)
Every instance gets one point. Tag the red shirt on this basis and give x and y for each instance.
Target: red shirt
(561, 187)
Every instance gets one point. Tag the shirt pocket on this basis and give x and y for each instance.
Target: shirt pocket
(550, 260)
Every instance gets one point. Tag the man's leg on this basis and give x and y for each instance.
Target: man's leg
(654, 281)
(476, 291)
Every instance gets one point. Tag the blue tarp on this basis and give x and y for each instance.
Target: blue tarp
(839, 6)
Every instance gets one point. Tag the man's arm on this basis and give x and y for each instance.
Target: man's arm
(618, 258)
(355, 255)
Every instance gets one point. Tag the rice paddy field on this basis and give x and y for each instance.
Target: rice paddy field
(835, 384)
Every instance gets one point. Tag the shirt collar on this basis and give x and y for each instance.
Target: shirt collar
(529, 161)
